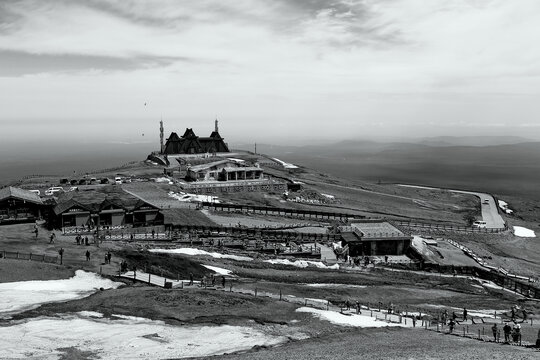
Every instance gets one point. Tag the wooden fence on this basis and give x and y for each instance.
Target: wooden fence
(447, 227)
(29, 256)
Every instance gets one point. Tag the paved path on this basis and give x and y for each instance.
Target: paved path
(490, 213)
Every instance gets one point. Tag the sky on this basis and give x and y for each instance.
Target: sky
(269, 70)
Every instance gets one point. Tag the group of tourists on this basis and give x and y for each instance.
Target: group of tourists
(82, 241)
(108, 257)
(511, 333)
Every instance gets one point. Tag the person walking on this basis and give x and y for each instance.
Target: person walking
(464, 314)
(36, 231)
(507, 329)
(494, 330)
(109, 257)
(61, 253)
(223, 281)
(451, 325)
(516, 332)
(87, 255)
(52, 237)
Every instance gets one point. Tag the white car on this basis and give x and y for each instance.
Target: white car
(479, 224)
(118, 180)
(54, 190)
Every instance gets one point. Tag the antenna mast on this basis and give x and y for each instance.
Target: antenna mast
(161, 136)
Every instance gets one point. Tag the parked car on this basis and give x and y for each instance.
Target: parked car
(118, 180)
(479, 224)
(486, 201)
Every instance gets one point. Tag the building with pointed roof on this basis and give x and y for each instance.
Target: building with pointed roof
(189, 143)
(18, 206)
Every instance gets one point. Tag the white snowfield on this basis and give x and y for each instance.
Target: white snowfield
(186, 197)
(303, 263)
(523, 232)
(125, 338)
(24, 295)
(195, 252)
(218, 270)
(347, 320)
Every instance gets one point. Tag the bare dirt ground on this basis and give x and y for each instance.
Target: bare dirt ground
(389, 344)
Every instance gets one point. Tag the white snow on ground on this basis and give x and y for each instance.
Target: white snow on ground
(186, 197)
(347, 320)
(164, 180)
(135, 338)
(90, 314)
(328, 196)
(335, 286)
(303, 263)
(218, 270)
(523, 232)
(195, 252)
(286, 165)
(23, 295)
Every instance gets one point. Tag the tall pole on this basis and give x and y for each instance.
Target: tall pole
(161, 136)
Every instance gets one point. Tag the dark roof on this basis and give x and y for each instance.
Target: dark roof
(99, 199)
(349, 237)
(378, 230)
(13, 192)
(190, 143)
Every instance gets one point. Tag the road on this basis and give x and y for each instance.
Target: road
(490, 213)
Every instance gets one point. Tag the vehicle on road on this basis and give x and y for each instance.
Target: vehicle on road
(118, 180)
(486, 201)
(54, 190)
(479, 224)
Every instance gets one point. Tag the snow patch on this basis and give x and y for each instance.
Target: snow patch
(346, 320)
(218, 270)
(195, 252)
(303, 264)
(24, 295)
(523, 232)
(186, 197)
(129, 338)
(90, 314)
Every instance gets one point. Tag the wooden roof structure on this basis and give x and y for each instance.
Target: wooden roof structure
(21, 194)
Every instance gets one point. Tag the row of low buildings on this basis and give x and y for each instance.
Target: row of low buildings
(109, 207)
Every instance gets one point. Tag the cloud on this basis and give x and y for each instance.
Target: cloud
(17, 63)
(355, 62)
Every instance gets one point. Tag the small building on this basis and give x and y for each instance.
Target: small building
(189, 143)
(224, 170)
(19, 206)
(111, 208)
(375, 238)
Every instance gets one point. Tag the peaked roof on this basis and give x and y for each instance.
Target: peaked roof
(97, 200)
(21, 194)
